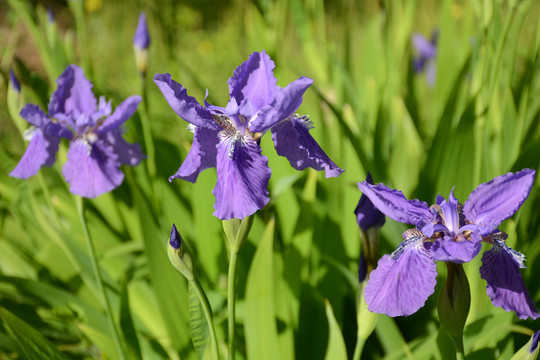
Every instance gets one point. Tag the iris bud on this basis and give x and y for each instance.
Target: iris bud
(141, 42)
(179, 254)
(530, 350)
(14, 82)
(370, 220)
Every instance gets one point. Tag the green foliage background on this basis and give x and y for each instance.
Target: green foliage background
(297, 284)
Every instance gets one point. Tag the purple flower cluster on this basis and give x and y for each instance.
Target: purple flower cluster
(449, 231)
(228, 138)
(96, 148)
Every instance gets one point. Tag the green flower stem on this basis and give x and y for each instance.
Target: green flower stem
(231, 296)
(207, 313)
(99, 280)
(358, 349)
(460, 352)
(147, 132)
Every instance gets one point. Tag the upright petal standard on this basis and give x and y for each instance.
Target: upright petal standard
(450, 232)
(97, 148)
(227, 138)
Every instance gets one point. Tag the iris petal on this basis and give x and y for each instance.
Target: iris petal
(201, 156)
(284, 105)
(423, 46)
(447, 249)
(254, 80)
(450, 212)
(242, 178)
(128, 153)
(35, 116)
(73, 95)
(401, 283)
(367, 215)
(492, 202)
(395, 205)
(505, 287)
(41, 151)
(91, 170)
(184, 105)
(120, 114)
(293, 140)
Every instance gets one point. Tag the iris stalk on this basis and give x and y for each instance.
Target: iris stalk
(236, 231)
(147, 132)
(99, 279)
(231, 295)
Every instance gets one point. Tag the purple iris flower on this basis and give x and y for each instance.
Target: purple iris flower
(425, 60)
(449, 231)
(97, 148)
(141, 39)
(228, 138)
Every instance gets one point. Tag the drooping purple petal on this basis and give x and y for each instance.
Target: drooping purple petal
(141, 39)
(128, 153)
(505, 287)
(254, 80)
(492, 202)
(242, 178)
(201, 156)
(184, 105)
(122, 112)
(293, 141)
(91, 170)
(393, 204)
(74, 95)
(401, 283)
(35, 116)
(447, 249)
(286, 102)
(41, 151)
(367, 215)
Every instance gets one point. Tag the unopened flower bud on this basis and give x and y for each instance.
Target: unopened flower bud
(50, 15)
(530, 350)
(141, 42)
(179, 254)
(370, 220)
(14, 82)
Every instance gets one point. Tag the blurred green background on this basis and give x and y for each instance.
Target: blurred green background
(371, 112)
